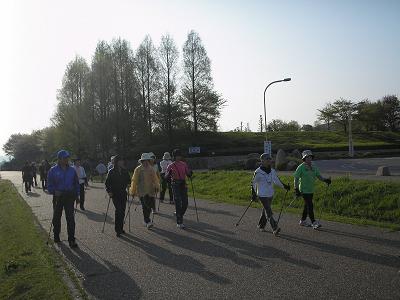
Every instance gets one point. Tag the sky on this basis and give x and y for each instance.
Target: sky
(330, 49)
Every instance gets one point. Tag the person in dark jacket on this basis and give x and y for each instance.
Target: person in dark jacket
(27, 177)
(43, 171)
(63, 184)
(117, 182)
(34, 173)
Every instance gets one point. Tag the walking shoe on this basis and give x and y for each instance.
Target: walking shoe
(119, 234)
(181, 226)
(149, 225)
(276, 231)
(262, 229)
(73, 244)
(316, 225)
(57, 239)
(304, 223)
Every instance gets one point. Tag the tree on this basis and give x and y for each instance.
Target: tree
(279, 125)
(168, 110)
(326, 115)
(337, 112)
(391, 112)
(198, 96)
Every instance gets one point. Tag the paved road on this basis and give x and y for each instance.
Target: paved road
(214, 260)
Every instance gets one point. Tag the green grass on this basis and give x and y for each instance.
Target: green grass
(351, 201)
(28, 268)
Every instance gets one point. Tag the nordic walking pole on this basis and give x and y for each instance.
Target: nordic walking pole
(105, 218)
(194, 199)
(237, 223)
(129, 209)
(283, 202)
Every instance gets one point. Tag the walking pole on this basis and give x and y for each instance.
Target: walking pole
(194, 199)
(280, 213)
(237, 223)
(105, 218)
(128, 213)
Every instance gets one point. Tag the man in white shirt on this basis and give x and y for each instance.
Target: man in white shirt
(80, 171)
(262, 186)
(101, 169)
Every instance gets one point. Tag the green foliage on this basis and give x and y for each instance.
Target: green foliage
(361, 199)
(27, 265)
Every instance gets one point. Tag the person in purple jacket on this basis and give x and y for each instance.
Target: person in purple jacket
(63, 184)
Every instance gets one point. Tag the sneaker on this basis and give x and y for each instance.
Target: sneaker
(276, 231)
(57, 240)
(73, 244)
(149, 225)
(316, 225)
(304, 223)
(261, 229)
(181, 226)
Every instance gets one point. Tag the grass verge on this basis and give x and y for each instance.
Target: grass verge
(361, 202)
(28, 266)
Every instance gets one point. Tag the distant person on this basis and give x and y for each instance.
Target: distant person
(165, 182)
(117, 182)
(63, 184)
(263, 183)
(154, 164)
(27, 176)
(80, 171)
(43, 171)
(177, 172)
(34, 173)
(101, 169)
(146, 185)
(88, 169)
(304, 183)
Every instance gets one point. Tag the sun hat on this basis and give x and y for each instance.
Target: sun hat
(306, 153)
(265, 156)
(152, 155)
(145, 156)
(166, 155)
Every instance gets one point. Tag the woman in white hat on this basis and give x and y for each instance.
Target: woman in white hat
(304, 183)
(165, 182)
(146, 185)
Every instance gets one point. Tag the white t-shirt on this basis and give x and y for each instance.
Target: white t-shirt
(164, 164)
(80, 171)
(263, 183)
(101, 169)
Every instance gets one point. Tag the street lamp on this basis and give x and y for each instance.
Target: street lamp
(265, 109)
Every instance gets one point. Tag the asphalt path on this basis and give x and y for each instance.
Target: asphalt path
(213, 259)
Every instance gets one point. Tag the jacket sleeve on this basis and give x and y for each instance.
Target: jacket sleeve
(134, 182)
(276, 179)
(51, 182)
(76, 184)
(256, 179)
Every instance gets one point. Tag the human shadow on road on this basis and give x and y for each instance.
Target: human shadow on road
(33, 194)
(212, 211)
(372, 239)
(384, 260)
(179, 262)
(260, 252)
(205, 247)
(103, 280)
(96, 217)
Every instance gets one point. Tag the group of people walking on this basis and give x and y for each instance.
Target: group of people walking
(67, 185)
(29, 175)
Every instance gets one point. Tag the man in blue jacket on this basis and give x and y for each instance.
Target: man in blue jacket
(63, 184)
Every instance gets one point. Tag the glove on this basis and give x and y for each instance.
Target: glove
(297, 192)
(287, 187)
(253, 194)
(328, 181)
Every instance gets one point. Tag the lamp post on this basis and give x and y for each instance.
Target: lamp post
(265, 108)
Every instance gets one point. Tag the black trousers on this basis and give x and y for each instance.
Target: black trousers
(82, 195)
(119, 202)
(266, 202)
(44, 183)
(28, 185)
(66, 203)
(148, 203)
(165, 183)
(34, 179)
(181, 200)
(308, 207)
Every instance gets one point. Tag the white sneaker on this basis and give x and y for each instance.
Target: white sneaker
(316, 225)
(149, 225)
(261, 229)
(181, 226)
(304, 223)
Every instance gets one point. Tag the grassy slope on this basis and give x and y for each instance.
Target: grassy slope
(352, 201)
(28, 267)
(226, 143)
